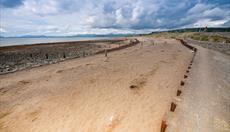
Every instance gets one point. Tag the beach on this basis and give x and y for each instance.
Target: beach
(114, 66)
(129, 90)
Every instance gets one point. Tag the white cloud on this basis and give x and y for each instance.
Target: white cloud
(60, 17)
(199, 8)
(206, 15)
(41, 7)
(215, 12)
(3, 30)
(209, 23)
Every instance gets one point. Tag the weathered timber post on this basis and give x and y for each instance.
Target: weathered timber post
(106, 53)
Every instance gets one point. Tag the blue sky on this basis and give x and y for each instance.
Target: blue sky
(71, 17)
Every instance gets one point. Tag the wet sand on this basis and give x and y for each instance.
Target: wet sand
(130, 90)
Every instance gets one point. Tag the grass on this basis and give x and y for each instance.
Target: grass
(210, 38)
(193, 35)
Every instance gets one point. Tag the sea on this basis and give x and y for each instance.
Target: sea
(12, 41)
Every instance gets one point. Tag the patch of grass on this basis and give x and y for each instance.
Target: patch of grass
(210, 38)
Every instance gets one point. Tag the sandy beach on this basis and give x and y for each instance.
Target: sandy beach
(114, 66)
(130, 90)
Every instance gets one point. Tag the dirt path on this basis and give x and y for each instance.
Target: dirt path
(205, 100)
(129, 91)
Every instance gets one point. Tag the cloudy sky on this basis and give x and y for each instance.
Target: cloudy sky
(71, 17)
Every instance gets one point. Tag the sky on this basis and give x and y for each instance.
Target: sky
(72, 17)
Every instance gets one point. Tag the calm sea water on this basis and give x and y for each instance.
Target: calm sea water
(27, 41)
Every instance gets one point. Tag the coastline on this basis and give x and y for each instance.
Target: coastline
(17, 41)
(14, 58)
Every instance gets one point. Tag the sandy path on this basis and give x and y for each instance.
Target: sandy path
(205, 105)
(93, 94)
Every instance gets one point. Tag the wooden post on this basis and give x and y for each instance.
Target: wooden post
(106, 53)
(173, 107)
(47, 57)
(163, 126)
(178, 92)
(185, 76)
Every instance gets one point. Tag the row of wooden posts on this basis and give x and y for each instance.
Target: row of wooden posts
(141, 43)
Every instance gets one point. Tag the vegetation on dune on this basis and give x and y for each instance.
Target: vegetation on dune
(206, 29)
(200, 34)
(210, 38)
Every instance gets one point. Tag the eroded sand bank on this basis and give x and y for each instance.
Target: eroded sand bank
(93, 94)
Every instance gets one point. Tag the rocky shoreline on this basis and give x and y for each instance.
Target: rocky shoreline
(15, 58)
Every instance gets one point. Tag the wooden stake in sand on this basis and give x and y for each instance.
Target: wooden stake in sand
(182, 83)
(163, 126)
(173, 107)
(106, 53)
(178, 92)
